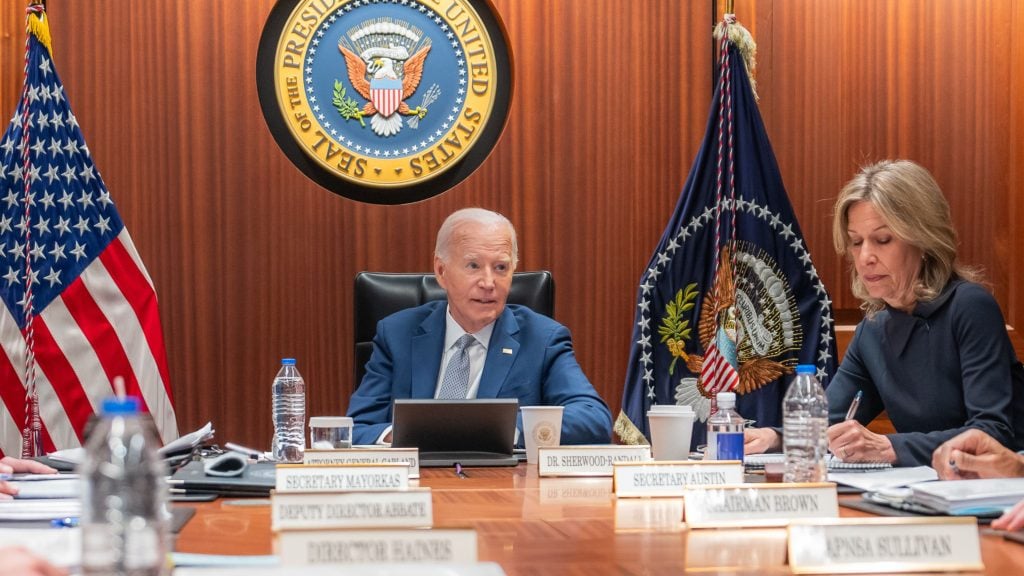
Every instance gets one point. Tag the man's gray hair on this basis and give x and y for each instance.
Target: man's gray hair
(474, 215)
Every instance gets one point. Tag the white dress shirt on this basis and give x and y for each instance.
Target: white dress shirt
(477, 353)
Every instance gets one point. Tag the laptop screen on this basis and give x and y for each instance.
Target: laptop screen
(480, 427)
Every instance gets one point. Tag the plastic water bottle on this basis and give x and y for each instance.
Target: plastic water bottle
(125, 522)
(804, 425)
(725, 430)
(289, 406)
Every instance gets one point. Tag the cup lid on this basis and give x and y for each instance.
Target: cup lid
(329, 421)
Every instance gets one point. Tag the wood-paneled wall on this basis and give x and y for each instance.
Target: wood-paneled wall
(252, 261)
(844, 83)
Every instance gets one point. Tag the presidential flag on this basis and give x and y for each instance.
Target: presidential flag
(730, 300)
(79, 308)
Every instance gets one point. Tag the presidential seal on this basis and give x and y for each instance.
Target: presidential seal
(385, 101)
(544, 433)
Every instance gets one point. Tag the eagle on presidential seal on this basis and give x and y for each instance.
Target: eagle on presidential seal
(750, 314)
(384, 60)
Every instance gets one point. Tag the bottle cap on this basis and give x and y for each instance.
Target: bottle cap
(288, 361)
(115, 406)
(806, 369)
(330, 421)
(726, 399)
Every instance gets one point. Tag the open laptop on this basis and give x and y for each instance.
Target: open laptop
(477, 432)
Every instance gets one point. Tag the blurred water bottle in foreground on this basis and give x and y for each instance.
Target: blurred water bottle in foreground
(125, 522)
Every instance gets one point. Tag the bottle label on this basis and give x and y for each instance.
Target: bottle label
(142, 546)
(730, 446)
(99, 546)
(711, 450)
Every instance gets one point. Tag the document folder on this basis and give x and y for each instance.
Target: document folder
(256, 480)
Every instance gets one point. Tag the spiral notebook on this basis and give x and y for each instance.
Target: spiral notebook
(757, 462)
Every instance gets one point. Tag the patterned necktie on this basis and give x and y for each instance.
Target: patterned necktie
(456, 377)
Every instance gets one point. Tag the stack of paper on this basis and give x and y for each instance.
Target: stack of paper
(42, 497)
(46, 486)
(174, 452)
(45, 509)
(969, 497)
(187, 443)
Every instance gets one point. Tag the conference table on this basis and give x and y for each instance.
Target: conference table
(531, 525)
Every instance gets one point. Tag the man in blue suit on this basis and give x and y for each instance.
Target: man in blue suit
(473, 345)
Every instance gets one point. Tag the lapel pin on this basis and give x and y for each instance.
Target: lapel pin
(506, 351)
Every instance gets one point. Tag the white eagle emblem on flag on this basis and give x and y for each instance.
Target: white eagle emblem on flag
(385, 65)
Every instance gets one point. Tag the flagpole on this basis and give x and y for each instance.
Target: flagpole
(31, 441)
(729, 6)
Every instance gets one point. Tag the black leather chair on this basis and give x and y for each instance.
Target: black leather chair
(380, 294)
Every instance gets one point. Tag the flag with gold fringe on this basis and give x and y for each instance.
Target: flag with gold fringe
(79, 308)
(730, 300)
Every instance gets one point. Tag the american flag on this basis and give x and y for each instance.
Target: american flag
(91, 311)
(730, 299)
(717, 374)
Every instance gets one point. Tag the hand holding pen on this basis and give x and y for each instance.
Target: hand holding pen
(853, 442)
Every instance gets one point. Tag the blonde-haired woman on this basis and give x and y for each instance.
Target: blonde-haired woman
(932, 349)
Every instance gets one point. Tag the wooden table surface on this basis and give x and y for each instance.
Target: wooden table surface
(564, 526)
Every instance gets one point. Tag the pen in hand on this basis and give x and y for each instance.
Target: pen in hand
(853, 406)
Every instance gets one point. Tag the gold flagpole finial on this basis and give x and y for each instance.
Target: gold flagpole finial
(729, 6)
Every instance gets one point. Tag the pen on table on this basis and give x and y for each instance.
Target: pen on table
(251, 453)
(853, 405)
(69, 522)
(182, 492)
(459, 472)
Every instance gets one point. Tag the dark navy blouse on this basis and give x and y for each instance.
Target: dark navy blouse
(945, 367)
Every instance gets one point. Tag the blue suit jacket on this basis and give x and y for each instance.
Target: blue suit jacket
(541, 370)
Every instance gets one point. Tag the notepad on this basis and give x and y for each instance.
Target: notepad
(886, 478)
(757, 462)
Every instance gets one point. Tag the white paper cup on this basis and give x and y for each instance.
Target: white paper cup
(671, 432)
(542, 426)
(686, 408)
(330, 432)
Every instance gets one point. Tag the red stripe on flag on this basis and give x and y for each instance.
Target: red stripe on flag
(717, 375)
(102, 337)
(140, 295)
(66, 385)
(12, 393)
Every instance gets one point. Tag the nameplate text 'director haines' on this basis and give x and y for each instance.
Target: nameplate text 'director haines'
(377, 547)
(341, 477)
(587, 460)
(673, 478)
